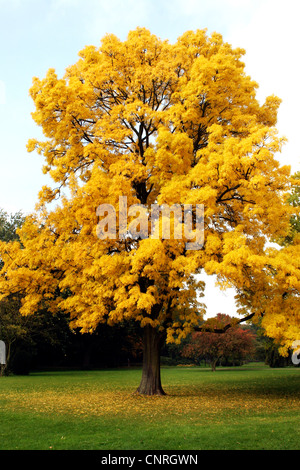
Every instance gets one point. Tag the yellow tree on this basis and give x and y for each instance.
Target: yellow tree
(146, 122)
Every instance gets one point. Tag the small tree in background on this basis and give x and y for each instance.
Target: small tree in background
(232, 346)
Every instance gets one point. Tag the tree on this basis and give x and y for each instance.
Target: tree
(12, 326)
(23, 335)
(293, 200)
(235, 345)
(272, 356)
(9, 224)
(157, 123)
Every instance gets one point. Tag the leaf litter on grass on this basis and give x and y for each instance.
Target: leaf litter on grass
(204, 403)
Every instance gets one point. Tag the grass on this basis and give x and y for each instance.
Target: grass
(250, 407)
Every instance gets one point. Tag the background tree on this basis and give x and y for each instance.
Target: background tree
(232, 347)
(9, 224)
(158, 123)
(12, 325)
(27, 338)
(272, 356)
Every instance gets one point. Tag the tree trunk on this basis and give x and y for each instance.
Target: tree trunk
(150, 382)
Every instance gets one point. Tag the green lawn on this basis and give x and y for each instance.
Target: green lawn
(248, 407)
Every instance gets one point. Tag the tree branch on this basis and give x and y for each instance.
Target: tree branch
(205, 329)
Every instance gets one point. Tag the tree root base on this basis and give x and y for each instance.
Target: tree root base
(158, 393)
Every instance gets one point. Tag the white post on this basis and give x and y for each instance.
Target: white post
(2, 356)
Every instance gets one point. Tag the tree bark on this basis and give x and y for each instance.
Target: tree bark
(151, 381)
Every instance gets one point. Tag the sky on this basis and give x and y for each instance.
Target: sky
(36, 35)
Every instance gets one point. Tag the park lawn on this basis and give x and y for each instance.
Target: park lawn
(248, 407)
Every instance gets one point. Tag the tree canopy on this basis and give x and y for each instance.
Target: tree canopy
(159, 123)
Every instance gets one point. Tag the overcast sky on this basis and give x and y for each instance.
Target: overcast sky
(38, 34)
